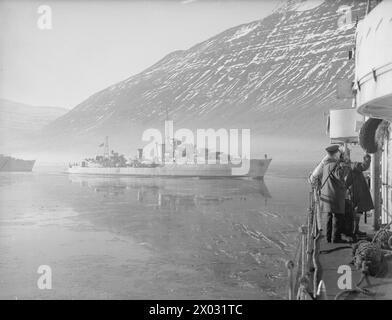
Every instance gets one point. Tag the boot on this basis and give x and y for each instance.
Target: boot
(357, 232)
(346, 238)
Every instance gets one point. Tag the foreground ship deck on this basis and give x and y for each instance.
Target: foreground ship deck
(334, 256)
(257, 169)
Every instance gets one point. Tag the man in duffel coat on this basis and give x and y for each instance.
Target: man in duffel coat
(331, 175)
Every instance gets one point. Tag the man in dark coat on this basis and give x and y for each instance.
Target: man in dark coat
(331, 175)
(359, 191)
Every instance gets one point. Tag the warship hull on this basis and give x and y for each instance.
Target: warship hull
(257, 169)
(9, 164)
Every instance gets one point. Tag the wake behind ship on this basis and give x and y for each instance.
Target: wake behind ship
(10, 164)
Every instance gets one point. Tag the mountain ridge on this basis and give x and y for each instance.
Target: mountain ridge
(20, 123)
(270, 75)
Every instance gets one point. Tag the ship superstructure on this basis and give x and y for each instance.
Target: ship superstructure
(172, 159)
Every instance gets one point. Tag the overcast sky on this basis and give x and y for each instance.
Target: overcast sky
(94, 44)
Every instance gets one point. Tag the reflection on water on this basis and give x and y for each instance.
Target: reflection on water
(175, 193)
(153, 237)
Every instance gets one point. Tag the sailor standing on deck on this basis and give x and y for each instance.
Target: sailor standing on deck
(330, 175)
(360, 194)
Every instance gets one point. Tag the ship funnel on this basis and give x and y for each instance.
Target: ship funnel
(163, 151)
(140, 153)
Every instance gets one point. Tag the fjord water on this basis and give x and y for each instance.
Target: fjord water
(150, 238)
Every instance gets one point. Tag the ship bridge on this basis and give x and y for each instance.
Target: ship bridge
(373, 98)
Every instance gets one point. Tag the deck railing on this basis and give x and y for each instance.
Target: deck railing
(305, 272)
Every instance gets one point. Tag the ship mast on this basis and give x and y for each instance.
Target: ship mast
(168, 139)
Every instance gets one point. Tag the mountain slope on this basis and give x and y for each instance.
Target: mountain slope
(19, 116)
(276, 76)
(20, 122)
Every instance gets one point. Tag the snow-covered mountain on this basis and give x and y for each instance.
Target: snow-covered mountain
(19, 116)
(276, 76)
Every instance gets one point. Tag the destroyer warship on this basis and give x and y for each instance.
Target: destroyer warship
(10, 164)
(174, 163)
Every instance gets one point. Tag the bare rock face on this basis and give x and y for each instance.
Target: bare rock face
(275, 76)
